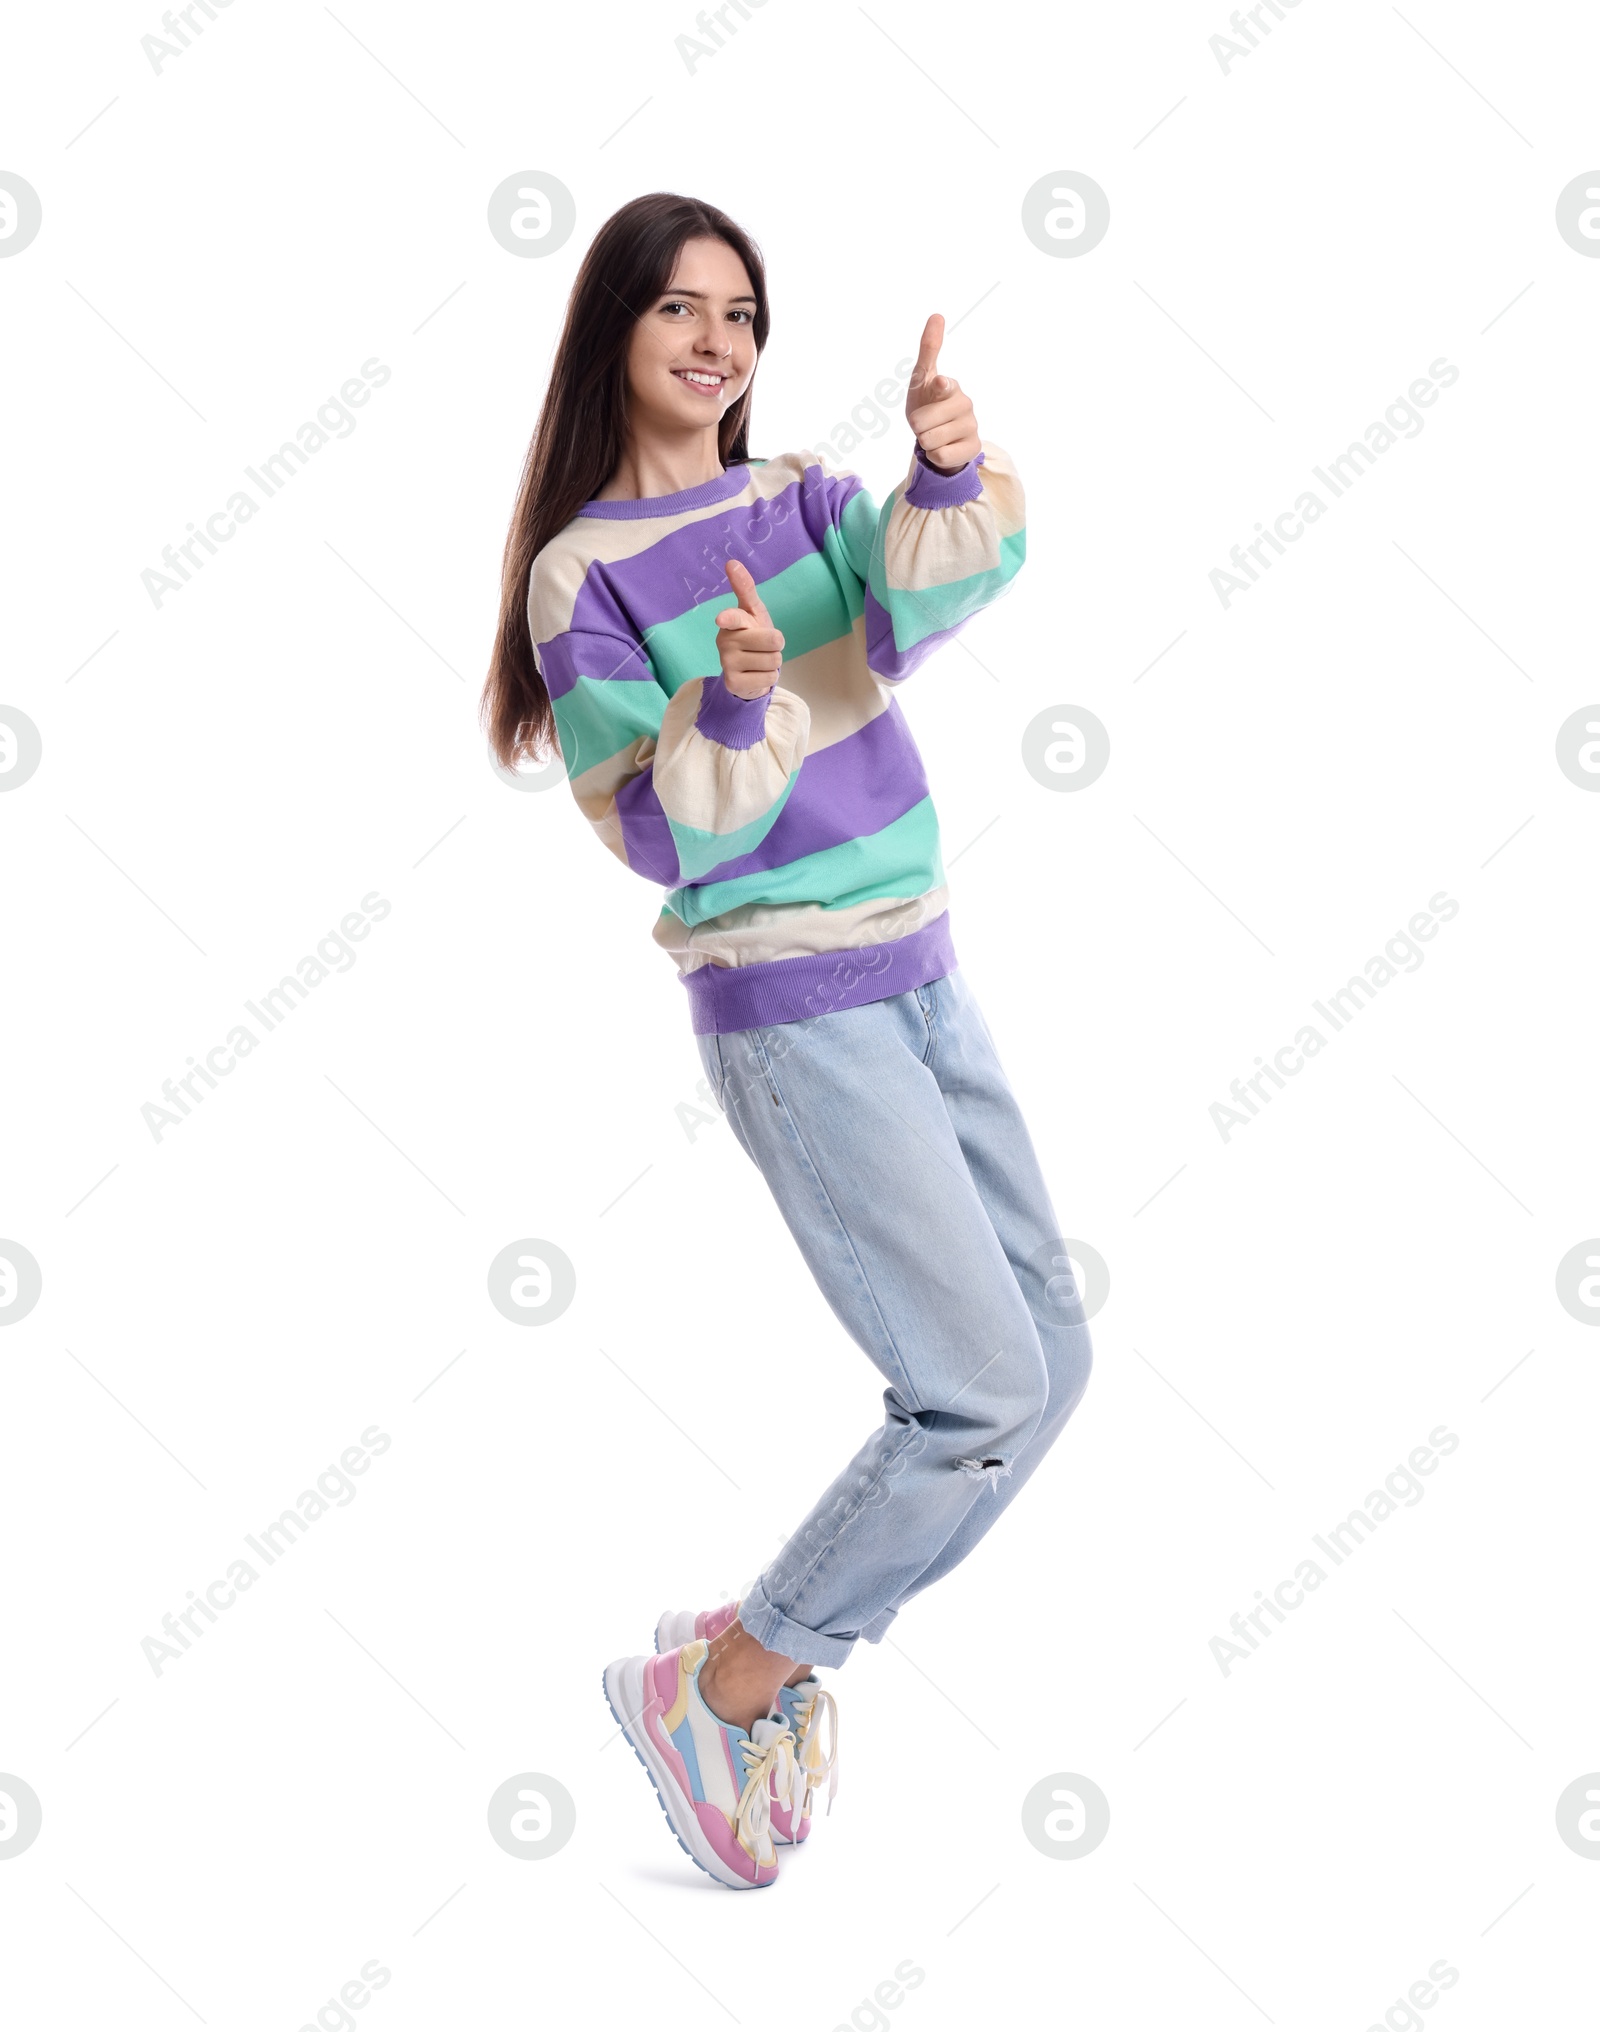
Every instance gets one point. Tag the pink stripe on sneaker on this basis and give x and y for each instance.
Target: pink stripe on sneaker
(651, 1723)
(718, 1831)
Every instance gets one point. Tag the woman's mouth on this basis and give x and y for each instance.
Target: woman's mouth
(701, 383)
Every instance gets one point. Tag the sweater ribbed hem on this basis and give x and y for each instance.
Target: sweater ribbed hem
(724, 999)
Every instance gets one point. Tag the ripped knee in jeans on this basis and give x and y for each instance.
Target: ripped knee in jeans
(989, 1468)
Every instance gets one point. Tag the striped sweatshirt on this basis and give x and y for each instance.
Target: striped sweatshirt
(793, 834)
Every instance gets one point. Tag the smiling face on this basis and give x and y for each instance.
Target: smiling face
(693, 350)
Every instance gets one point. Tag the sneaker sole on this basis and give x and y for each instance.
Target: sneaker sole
(623, 1684)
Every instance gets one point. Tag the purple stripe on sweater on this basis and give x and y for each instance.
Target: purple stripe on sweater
(724, 999)
(727, 718)
(844, 792)
(646, 836)
(566, 658)
(883, 658)
(684, 568)
(935, 488)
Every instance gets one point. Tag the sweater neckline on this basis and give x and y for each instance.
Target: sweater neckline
(727, 482)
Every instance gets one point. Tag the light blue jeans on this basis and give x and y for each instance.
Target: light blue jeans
(897, 1154)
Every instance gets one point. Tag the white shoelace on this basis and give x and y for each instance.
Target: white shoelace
(768, 1753)
(811, 1763)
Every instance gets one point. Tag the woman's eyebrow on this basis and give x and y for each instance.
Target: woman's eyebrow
(700, 295)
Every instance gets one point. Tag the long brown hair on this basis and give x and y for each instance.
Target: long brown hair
(580, 435)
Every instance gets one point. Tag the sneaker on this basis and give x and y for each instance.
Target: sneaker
(716, 1783)
(682, 1626)
(805, 1708)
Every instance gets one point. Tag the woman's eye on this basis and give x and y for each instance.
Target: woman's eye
(745, 314)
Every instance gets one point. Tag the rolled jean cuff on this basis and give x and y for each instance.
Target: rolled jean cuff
(774, 1631)
(878, 1628)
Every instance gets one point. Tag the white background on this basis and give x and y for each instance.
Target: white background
(1292, 1310)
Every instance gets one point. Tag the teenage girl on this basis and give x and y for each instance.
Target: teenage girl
(752, 761)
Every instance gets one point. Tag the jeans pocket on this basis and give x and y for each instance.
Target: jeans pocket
(709, 1046)
(747, 1063)
(927, 1000)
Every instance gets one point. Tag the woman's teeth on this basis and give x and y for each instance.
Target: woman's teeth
(709, 384)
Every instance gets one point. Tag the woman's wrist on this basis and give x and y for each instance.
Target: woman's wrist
(927, 459)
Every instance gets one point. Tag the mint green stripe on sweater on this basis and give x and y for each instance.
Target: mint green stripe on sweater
(901, 860)
(928, 609)
(601, 716)
(815, 611)
(699, 852)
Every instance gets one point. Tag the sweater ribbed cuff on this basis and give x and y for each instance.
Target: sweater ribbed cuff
(933, 488)
(726, 718)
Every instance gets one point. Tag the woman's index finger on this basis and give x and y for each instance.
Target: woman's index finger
(928, 350)
(743, 583)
